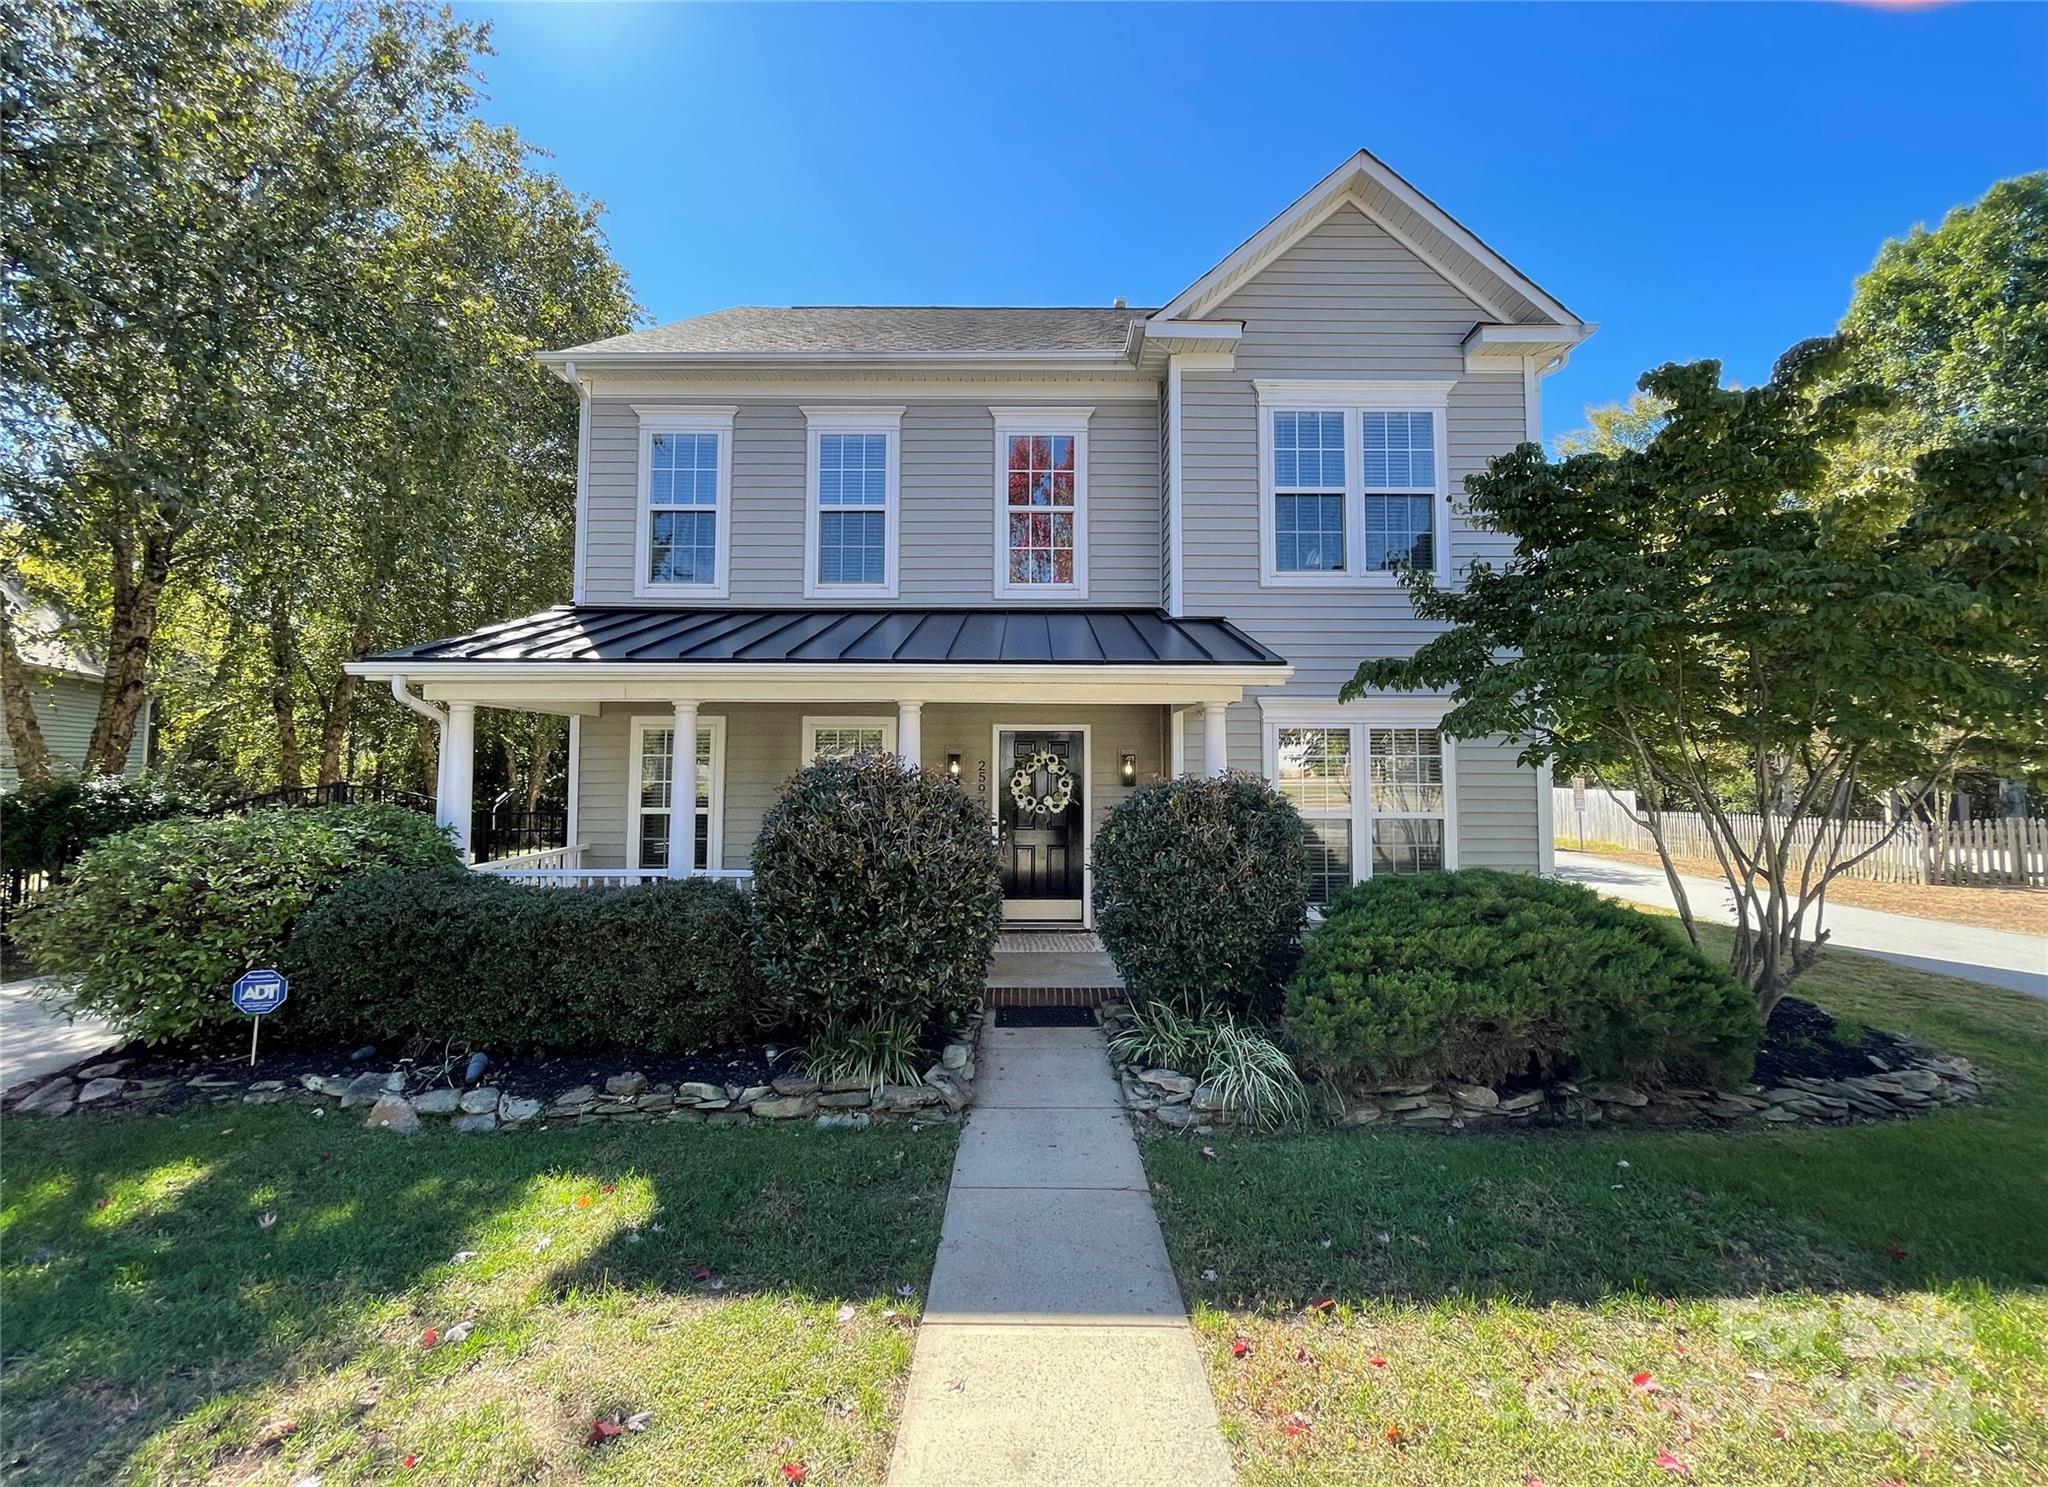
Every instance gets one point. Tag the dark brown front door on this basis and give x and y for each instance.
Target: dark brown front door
(1041, 811)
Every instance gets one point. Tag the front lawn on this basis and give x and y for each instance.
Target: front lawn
(240, 1294)
(1860, 1305)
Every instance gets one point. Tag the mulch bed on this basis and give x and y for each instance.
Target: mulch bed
(1802, 1040)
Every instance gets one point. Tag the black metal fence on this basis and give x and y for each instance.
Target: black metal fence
(499, 834)
(341, 792)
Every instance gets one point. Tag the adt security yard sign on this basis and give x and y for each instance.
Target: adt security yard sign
(258, 992)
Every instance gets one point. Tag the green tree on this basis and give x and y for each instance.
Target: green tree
(1614, 427)
(189, 190)
(1713, 600)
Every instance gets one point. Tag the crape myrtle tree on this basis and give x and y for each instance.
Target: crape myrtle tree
(1709, 606)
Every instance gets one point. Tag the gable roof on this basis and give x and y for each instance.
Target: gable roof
(870, 330)
(44, 635)
(1373, 187)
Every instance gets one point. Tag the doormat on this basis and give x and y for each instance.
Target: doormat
(1045, 1017)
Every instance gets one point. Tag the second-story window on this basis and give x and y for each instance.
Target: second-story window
(852, 522)
(685, 529)
(1042, 501)
(1353, 485)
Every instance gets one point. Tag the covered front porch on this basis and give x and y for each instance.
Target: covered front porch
(1049, 719)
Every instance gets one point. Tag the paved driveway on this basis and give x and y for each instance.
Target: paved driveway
(36, 1037)
(1995, 957)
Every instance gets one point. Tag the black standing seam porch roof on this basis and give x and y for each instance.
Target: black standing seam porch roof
(817, 636)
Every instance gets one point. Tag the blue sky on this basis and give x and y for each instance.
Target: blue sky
(1702, 180)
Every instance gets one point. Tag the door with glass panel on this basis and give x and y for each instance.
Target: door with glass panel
(1041, 816)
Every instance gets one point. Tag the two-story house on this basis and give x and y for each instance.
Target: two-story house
(1053, 553)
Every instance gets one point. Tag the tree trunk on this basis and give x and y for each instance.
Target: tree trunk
(24, 732)
(341, 707)
(138, 590)
(543, 755)
(291, 769)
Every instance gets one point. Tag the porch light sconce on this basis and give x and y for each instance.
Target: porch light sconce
(953, 766)
(1130, 769)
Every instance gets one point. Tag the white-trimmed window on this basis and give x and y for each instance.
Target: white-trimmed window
(852, 512)
(684, 534)
(651, 806)
(1042, 501)
(845, 738)
(1353, 484)
(1377, 797)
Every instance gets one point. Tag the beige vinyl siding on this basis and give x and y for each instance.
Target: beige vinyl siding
(1348, 302)
(764, 747)
(66, 707)
(948, 491)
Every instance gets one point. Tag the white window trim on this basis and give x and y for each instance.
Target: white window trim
(1019, 422)
(1361, 718)
(885, 421)
(714, 847)
(876, 720)
(667, 419)
(1352, 399)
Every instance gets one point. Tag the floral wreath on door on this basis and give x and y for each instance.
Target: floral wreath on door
(1059, 774)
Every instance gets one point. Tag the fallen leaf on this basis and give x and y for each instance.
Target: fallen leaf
(1644, 1384)
(270, 1432)
(848, 1311)
(1534, 1482)
(1377, 1362)
(104, 1204)
(611, 1187)
(1896, 1251)
(1209, 1276)
(795, 1471)
(1296, 1423)
(700, 1273)
(546, 1241)
(409, 1462)
(1301, 1355)
(1667, 1462)
(583, 1200)
(602, 1431)
(1239, 1347)
(463, 1257)
(429, 1338)
(1322, 1303)
(1395, 1435)
(1209, 1152)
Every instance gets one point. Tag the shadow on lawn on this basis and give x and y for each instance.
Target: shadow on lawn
(142, 1284)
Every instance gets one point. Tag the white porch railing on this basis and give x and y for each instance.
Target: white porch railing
(562, 867)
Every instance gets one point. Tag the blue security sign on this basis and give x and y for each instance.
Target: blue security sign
(258, 992)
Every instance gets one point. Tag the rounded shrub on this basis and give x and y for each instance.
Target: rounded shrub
(158, 921)
(1201, 892)
(878, 893)
(44, 828)
(428, 958)
(1483, 976)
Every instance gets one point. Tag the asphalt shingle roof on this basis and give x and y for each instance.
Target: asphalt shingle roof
(749, 330)
(903, 636)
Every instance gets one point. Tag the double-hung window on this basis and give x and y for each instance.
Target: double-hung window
(847, 738)
(653, 803)
(684, 534)
(1353, 488)
(1042, 501)
(852, 517)
(1377, 799)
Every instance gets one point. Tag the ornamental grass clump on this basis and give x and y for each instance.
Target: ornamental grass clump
(1247, 1071)
(1201, 893)
(878, 894)
(1484, 977)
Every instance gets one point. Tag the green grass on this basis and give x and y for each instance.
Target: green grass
(1859, 1305)
(156, 1331)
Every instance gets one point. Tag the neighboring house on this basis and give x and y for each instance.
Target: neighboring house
(65, 681)
(1054, 552)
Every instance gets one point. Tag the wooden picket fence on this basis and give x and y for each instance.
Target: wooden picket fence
(2004, 852)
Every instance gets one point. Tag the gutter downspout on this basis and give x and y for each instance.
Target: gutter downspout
(582, 473)
(438, 716)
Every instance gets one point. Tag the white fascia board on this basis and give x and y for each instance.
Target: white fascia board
(683, 674)
(998, 360)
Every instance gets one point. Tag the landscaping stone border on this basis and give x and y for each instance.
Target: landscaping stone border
(1926, 1080)
(625, 1098)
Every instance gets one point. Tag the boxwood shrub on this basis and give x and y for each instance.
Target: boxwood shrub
(878, 892)
(1201, 892)
(159, 921)
(427, 958)
(1484, 976)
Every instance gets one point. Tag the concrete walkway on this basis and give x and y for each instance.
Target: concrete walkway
(1996, 957)
(1055, 1349)
(36, 1037)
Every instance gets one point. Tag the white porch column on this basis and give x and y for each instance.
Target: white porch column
(1215, 738)
(682, 793)
(458, 773)
(910, 733)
